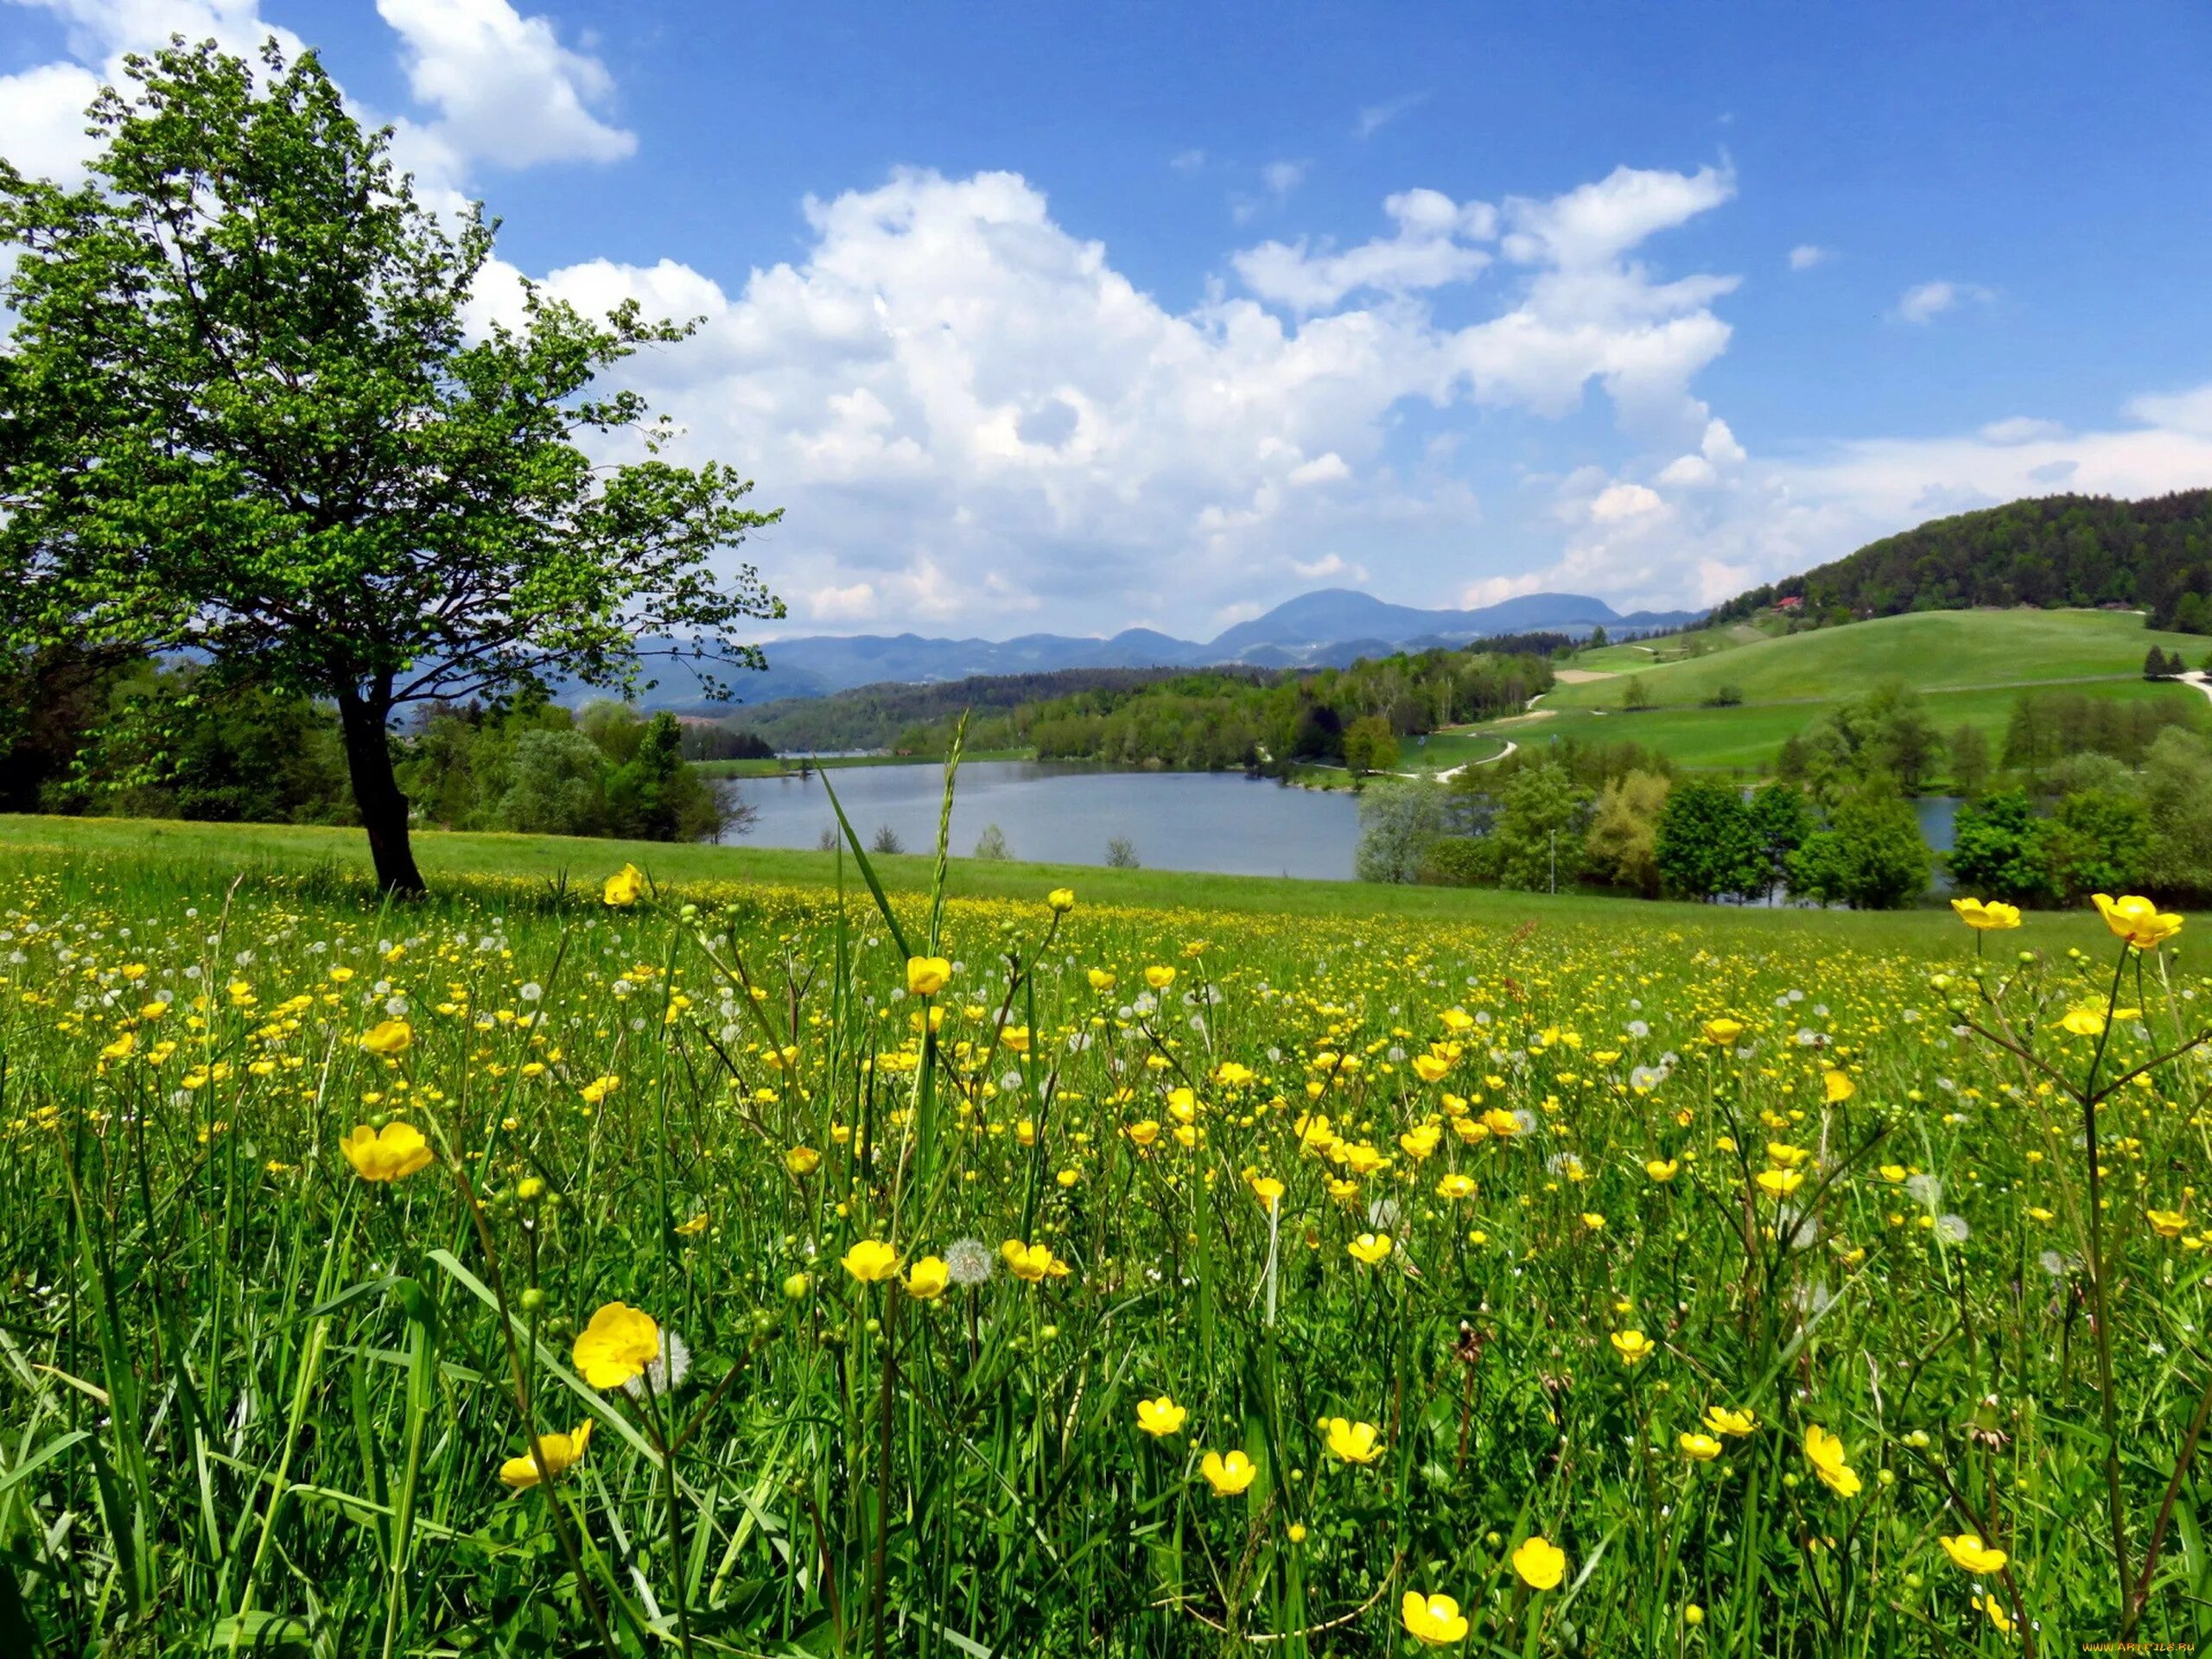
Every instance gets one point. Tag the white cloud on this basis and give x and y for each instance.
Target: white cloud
(1374, 118)
(505, 88)
(2188, 411)
(42, 109)
(1327, 566)
(1928, 300)
(1187, 160)
(1618, 501)
(1278, 179)
(506, 91)
(2021, 428)
(974, 413)
(42, 120)
(1596, 224)
(1322, 469)
(1430, 248)
(853, 603)
(1805, 256)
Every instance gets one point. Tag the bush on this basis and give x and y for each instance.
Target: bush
(1460, 862)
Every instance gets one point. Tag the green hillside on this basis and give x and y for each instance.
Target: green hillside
(1969, 667)
(2154, 555)
(1929, 651)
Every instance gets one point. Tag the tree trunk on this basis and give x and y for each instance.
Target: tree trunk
(376, 794)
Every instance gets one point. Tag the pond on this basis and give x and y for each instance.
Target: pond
(1211, 821)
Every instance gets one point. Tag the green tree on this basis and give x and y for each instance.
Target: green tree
(1871, 856)
(2096, 842)
(1622, 846)
(1400, 822)
(1370, 744)
(241, 416)
(1540, 830)
(555, 786)
(1708, 845)
(2177, 802)
(1969, 761)
(1634, 695)
(1997, 850)
(1780, 821)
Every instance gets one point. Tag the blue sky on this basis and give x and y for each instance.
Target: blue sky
(1073, 318)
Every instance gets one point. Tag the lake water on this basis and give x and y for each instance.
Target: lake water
(1220, 822)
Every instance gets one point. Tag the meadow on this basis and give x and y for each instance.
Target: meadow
(773, 1253)
(1969, 668)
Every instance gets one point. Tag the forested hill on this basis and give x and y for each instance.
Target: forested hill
(2080, 551)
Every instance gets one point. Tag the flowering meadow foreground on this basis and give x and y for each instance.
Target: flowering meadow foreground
(959, 1278)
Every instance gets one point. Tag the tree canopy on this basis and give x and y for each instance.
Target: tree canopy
(2082, 550)
(247, 417)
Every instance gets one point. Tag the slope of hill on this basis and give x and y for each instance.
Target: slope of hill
(1969, 668)
(2154, 555)
(1927, 650)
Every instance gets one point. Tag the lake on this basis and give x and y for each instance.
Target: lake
(1212, 822)
(1219, 823)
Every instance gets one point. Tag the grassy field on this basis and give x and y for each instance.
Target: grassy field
(1749, 736)
(1134, 1280)
(1933, 650)
(1969, 667)
(212, 853)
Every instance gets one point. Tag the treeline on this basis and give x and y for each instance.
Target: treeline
(1213, 720)
(2083, 795)
(131, 738)
(877, 717)
(2071, 550)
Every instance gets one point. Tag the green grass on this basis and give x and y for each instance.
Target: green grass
(1748, 737)
(257, 1402)
(1446, 749)
(208, 852)
(1930, 652)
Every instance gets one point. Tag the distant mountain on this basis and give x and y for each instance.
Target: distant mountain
(2078, 551)
(1333, 628)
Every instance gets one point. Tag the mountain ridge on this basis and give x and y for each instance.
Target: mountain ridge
(1326, 627)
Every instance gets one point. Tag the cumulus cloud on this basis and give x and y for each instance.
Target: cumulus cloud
(1928, 301)
(42, 120)
(1805, 256)
(1327, 566)
(505, 89)
(963, 403)
(507, 92)
(1433, 245)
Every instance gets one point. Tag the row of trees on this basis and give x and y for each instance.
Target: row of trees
(2085, 794)
(1650, 834)
(2099, 826)
(1218, 720)
(133, 738)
